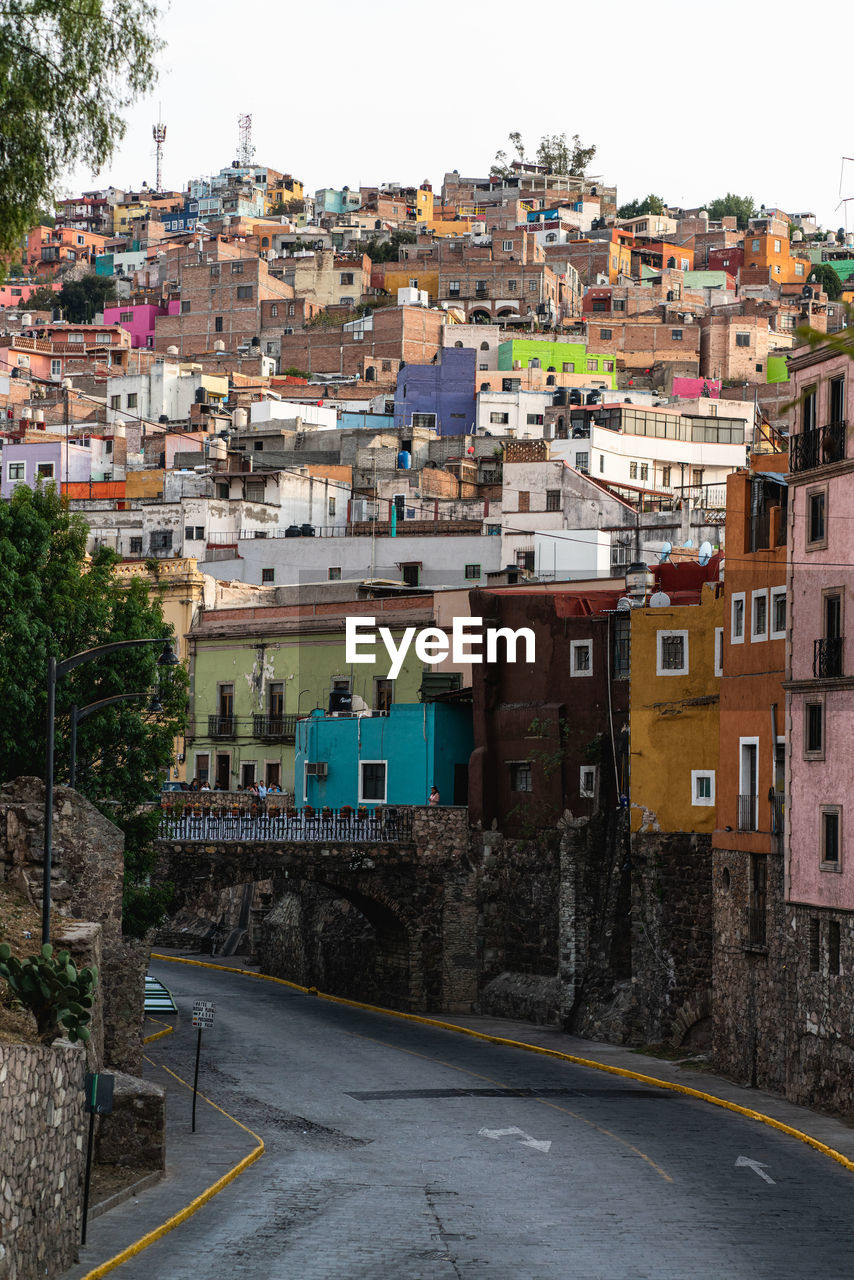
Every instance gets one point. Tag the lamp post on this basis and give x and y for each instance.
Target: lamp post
(80, 713)
(55, 670)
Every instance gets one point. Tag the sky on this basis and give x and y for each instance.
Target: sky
(685, 102)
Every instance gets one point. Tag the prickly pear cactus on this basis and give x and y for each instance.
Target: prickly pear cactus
(51, 986)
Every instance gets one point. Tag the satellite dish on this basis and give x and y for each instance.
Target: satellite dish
(624, 603)
(687, 545)
(665, 551)
(659, 600)
(705, 552)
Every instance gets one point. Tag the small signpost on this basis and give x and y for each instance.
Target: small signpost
(99, 1102)
(204, 1012)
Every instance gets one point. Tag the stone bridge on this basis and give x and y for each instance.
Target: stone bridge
(412, 873)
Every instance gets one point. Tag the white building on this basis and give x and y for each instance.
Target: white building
(167, 390)
(311, 416)
(518, 414)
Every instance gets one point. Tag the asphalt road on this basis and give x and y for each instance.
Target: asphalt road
(397, 1151)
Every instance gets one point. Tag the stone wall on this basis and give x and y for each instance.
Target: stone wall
(134, 1134)
(42, 1137)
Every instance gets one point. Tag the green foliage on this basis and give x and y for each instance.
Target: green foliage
(387, 250)
(42, 299)
(555, 151)
(741, 208)
(637, 208)
(68, 68)
(827, 279)
(288, 207)
(293, 372)
(81, 299)
(53, 604)
(55, 991)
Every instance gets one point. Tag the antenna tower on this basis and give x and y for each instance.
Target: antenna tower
(245, 150)
(158, 132)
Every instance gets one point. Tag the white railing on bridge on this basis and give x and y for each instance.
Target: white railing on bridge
(388, 824)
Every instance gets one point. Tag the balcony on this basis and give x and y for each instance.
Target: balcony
(827, 658)
(222, 726)
(274, 728)
(817, 447)
(747, 813)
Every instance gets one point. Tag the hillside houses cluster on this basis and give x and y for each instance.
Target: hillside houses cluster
(494, 400)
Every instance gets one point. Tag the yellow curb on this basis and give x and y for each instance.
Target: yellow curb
(158, 1035)
(760, 1116)
(193, 1207)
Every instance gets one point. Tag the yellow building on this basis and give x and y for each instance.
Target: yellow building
(124, 215)
(283, 191)
(400, 276)
(180, 587)
(674, 713)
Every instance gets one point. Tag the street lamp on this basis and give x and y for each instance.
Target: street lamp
(80, 713)
(55, 670)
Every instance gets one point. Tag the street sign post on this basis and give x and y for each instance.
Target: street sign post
(204, 1012)
(98, 1102)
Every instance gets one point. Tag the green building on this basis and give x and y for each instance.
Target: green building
(556, 357)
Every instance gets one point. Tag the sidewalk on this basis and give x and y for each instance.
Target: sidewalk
(196, 1161)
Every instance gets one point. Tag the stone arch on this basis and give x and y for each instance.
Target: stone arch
(458, 343)
(480, 317)
(692, 1024)
(484, 346)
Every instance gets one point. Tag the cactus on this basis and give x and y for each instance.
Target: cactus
(56, 992)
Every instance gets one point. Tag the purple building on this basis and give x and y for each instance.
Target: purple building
(438, 396)
(34, 460)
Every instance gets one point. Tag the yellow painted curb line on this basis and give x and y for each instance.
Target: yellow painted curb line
(193, 1207)
(158, 1035)
(759, 1116)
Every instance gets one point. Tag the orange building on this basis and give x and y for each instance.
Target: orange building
(769, 258)
(49, 248)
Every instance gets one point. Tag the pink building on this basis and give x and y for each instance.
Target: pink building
(139, 318)
(820, 667)
(15, 293)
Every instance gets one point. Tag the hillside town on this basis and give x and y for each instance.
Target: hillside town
(606, 446)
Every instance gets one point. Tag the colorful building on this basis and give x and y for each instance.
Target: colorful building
(139, 319)
(556, 357)
(49, 248)
(14, 293)
(438, 396)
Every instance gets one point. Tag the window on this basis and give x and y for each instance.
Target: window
(665, 477)
(268, 575)
(814, 945)
(702, 787)
(808, 416)
(592, 366)
(569, 366)
(754, 244)
(552, 499)
(532, 285)
(511, 286)
(608, 366)
(454, 288)
(776, 246)
(524, 500)
(507, 246)
(534, 362)
(115, 402)
(520, 776)
(799, 268)
(672, 653)
(411, 573)
(16, 471)
(837, 399)
(633, 471)
(217, 324)
(742, 339)
(372, 781)
(333, 574)
(244, 291)
(499, 419)
(676, 335)
(830, 817)
(582, 462)
(425, 420)
(132, 400)
(778, 613)
(347, 277)
(719, 651)
(254, 491)
(161, 540)
(274, 310)
(136, 546)
(588, 776)
(618, 304)
(736, 633)
(833, 946)
(814, 730)
(472, 570)
(759, 625)
(292, 309)
(644, 471)
(237, 268)
(605, 334)
(581, 657)
(185, 307)
(816, 518)
(383, 694)
(601, 462)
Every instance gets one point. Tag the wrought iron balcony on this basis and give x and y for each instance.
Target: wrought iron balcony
(827, 658)
(817, 447)
(276, 728)
(747, 813)
(222, 726)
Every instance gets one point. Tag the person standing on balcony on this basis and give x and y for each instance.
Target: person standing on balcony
(434, 795)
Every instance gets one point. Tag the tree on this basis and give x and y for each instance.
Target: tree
(54, 602)
(291, 207)
(42, 299)
(827, 279)
(68, 68)
(637, 208)
(554, 152)
(741, 208)
(82, 299)
(386, 250)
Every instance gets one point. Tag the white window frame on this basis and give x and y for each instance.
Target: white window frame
(56, 368)
(742, 791)
(733, 638)
(661, 670)
(574, 646)
(757, 636)
(373, 800)
(45, 475)
(588, 792)
(719, 651)
(773, 596)
(696, 799)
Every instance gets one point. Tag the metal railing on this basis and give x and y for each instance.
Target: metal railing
(827, 658)
(271, 820)
(747, 813)
(274, 726)
(817, 447)
(778, 812)
(756, 926)
(221, 726)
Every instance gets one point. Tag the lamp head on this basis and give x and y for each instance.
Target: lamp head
(154, 705)
(168, 658)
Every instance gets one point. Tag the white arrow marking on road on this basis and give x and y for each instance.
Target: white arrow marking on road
(743, 1163)
(539, 1144)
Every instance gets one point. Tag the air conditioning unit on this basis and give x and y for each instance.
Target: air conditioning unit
(316, 769)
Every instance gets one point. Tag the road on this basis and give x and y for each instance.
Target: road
(401, 1152)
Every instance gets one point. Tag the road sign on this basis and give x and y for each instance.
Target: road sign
(204, 1012)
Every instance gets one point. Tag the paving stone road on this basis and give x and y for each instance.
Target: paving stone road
(377, 1167)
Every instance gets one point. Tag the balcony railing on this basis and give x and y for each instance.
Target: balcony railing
(817, 447)
(827, 658)
(221, 726)
(281, 728)
(747, 813)
(778, 812)
(756, 926)
(199, 820)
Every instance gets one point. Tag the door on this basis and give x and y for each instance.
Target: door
(748, 786)
(223, 771)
